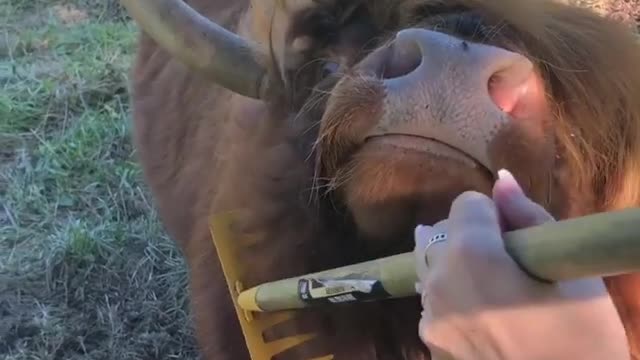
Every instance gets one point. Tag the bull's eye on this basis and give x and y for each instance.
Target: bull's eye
(329, 68)
(330, 36)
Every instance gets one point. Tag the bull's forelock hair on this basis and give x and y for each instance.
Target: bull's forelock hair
(589, 64)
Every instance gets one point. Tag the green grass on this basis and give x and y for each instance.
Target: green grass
(86, 270)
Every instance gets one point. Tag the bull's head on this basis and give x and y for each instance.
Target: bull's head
(427, 99)
(395, 107)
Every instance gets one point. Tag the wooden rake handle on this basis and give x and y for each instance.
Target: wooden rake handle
(596, 245)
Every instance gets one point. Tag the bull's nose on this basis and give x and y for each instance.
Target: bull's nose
(420, 57)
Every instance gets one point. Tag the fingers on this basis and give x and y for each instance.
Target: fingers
(474, 223)
(515, 208)
(421, 238)
(426, 319)
(426, 255)
(472, 227)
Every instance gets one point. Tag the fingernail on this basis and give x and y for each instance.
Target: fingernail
(506, 175)
(420, 234)
(507, 179)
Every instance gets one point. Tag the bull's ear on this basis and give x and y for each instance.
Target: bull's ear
(226, 58)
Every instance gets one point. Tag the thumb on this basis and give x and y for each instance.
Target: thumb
(516, 209)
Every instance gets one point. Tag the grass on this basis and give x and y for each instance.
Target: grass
(86, 270)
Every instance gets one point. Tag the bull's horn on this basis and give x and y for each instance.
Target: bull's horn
(228, 59)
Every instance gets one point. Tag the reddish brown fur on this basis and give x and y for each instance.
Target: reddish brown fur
(206, 150)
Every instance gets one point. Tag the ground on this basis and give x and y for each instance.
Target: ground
(86, 270)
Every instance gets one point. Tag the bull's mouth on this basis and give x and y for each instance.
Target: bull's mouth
(397, 180)
(430, 147)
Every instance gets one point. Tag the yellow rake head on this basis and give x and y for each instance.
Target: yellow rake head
(253, 324)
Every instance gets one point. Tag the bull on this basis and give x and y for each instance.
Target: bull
(335, 127)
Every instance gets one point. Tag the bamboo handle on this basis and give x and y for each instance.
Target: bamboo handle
(596, 245)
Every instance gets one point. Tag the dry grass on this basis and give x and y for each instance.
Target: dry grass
(625, 11)
(86, 271)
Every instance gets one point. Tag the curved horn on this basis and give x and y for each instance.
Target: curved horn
(228, 59)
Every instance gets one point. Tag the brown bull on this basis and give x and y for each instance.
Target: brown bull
(334, 127)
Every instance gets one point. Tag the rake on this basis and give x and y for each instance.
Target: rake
(597, 245)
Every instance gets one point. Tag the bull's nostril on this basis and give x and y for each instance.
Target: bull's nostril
(513, 88)
(405, 57)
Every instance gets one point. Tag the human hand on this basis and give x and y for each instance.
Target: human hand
(478, 304)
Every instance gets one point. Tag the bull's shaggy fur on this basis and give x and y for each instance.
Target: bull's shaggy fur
(285, 166)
